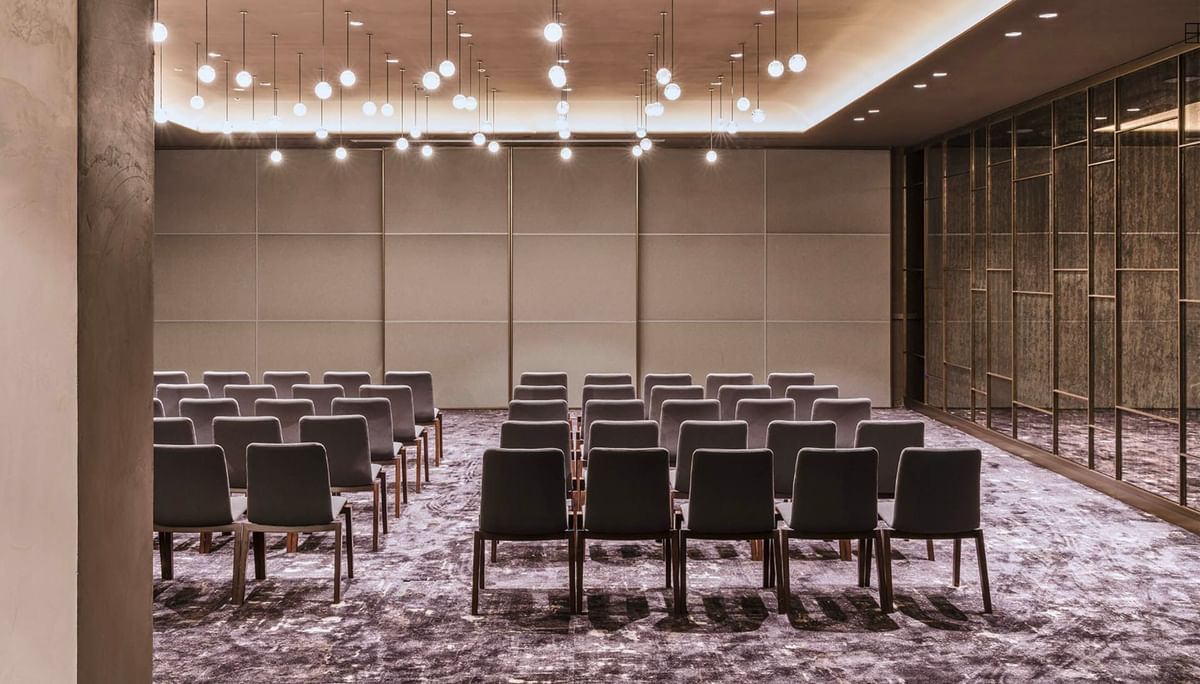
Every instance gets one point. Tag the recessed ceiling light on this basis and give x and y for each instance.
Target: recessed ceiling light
(393, 60)
(239, 89)
(1133, 109)
(940, 74)
(1012, 34)
(465, 34)
(1101, 118)
(860, 118)
(214, 54)
(355, 22)
(872, 111)
(452, 12)
(735, 55)
(714, 83)
(920, 85)
(564, 60)
(1047, 15)
(766, 12)
(264, 83)
(568, 89)
(178, 68)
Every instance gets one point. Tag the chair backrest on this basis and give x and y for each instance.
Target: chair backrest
(170, 378)
(713, 382)
(660, 393)
(404, 415)
(288, 412)
(675, 412)
(623, 434)
(202, 412)
(378, 412)
(246, 395)
(731, 492)
(283, 381)
(758, 414)
(347, 447)
(805, 395)
(847, 413)
(607, 379)
(608, 392)
(349, 380)
(421, 383)
(176, 431)
(321, 396)
(538, 409)
(730, 395)
(539, 393)
(288, 485)
(547, 434)
(652, 380)
(704, 434)
(779, 382)
(834, 491)
(234, 434)
(157, 406)
(609, 409)
(191, 488)
(217, 380)
(890, 438)
(937, 491)
(628, 491)
(785, 439)
(543, 378)
(521, 492)
(170, 395)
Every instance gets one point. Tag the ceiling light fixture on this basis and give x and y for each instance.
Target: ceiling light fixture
(743, 102)
(797, 62)
(672, 91)
(369, 107)
(654, 108)
(197, 102)
(493, 146)
(427, 151)
(430, 79)
(860, 118)
(459, 101)
(872, 111)
(158, 31)
(565, 153)
(347, 77)
(558, 73)
(401, 141)
(479, 138)
(920, 86)
(275, 156)
(940, 74)
(340, 152)
(447, 68)
(486, 126)
(323, 90)
(775, 69)
(1048, 15)
(243, 78)
(732, 128)
(758, 115)
(415, 131)
(471, 103)
(205, 72)
(387, 109)
(227, 128)
(1012, 34)
(160, 112)
(355, 23)
(711, 155)
(553, 30)
(663, 74)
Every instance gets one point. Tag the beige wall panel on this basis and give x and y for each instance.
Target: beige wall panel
(828, 191)
(319, 277)
(204, 191)
(853, 356)
(319, 346)
(702, 348)
(574, 278)
(199, 347)
(469, 361)
(315, 193)
(828, 277)
(596, 192)
(684, 194)
(455, 191)
(577, 348)
(447, 277)
(204, 277)
(702, 277)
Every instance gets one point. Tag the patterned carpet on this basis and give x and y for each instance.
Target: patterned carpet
(1084, 587)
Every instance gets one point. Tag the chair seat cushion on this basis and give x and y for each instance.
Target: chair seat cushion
(336, 503)
(237, 507)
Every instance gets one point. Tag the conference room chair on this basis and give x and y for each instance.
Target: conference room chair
(890, 438)
(628, 500)
(288, 492)
(731, 500)
(348, 450)
(539, 393)
(556, 435)
(191, 495)
(321, 396)
(759, 414)
(157, 407)
(805, 395)
(171, 394)
(607, 379)
(779, 382)
(608, 409)
(675, 412)
(937, 497)
(624, 434)
(521, 500)
(703, 434)
(350, 381)
(847, 413)
(288, 412)
(610, 392)
(383, 448)
(170, 378)
(713, 382)
(730, 395)
(283, 381)
(234, 434)
(175, 431)
(538, 410)
(405, 433)
(202, 412)
(833, 498)
(217, 380)
(785, 439)
(661, 393)
(543, 378)
(246, 395)
(652, 380)
(425, 411)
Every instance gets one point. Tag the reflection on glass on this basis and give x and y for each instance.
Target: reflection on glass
(1072, 333)
(1034, 353)
(933, 171)
(1103, 103)
(1104, 229)
(1000, 142)
(1031, 227)
(1073, 430)
(958, 155)
(1070, 207)
(1190, 65)
(1033, 141)
(1148, 97)
(1070, 118)
(979, 163)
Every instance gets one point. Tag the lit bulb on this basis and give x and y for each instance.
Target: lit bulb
(758, 116)
(479, 138)
(775, 68)
(797, 63)
(227, 127)
(446, 68)
(565, 153)
(340, 153)
(710, 156)
(402, 143)
(276, 156)
(206, 73)
(196, 102)
(564, 133)
(347, 78)
(459, 101)
(640, 132)
(558, 76)
(672, 91)
(553, 32)
(487, 127)
(663, 76)
(159, 33)
(493, 147)
(274, 122)
(427, 151)
(732, 129)
(323, 90)
(431, 80)
(387, 109)
(637, 151)
(369, 108)
(299, 109)
(646, 144)
(160, 115)
(561, 123)
(655, 109)
(414, 133)
(322, 133)
(743, 104)
(562, 107)
(243, 79)
(471, 104)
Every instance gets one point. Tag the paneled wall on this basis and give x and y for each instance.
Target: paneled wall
(477, 266)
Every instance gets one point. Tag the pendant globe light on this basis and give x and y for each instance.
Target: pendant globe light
(662, 74)
(639, 130)
(275, 156)
(447, 68)
(387, 108)
(321, 133)
(775, 68)
(558, 73)
(158, 31)
(369, 107)
(340, 153)
(323, 90)
(493, 146)
(426, 149)
(347, 77)
(743, 102)
(711, 155)
(299, 109)
(472, 102)
(401, 141)
(415, 131)
(197, 102)
(731, 128)
(671, 90)
(430, 78)
(553, 30)
(459, 101)
(243, 78)
(797, 62)
(479, 138)
(204, 72)
(758, 115)
(489, 114)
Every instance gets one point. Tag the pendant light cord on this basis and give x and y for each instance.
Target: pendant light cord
(757, 64)
(227, 91)
(299, 79)
(196, 72)
(431, 64)
(243, 40)
(775, 30)
(460, 26)
(743, 51)
(347, 39)
(274, 75)
(370, 37)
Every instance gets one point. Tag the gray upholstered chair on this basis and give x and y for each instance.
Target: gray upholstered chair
(349, 380)
(713, 382)
(785, 439)
(321, 396)
(628, 499)
(779, 382)
(176, 431)
(730, 395)
(283, 381)
(170, 395)
(288, 412)
(661, 393)
(652, 380)
(538, 410)
(731, 499)
(847, 413)
(608, 392)
(623, 434)
(233, 434)
(759, 414)
(543, 378)
(157, 407)
(675, 412)
(937, 497)
(540, 393)
(406, 432)
(521, 500)
(703, 434)
(805, 395)
(217, 380)
(246, 395)
(607, 379)
(202, 412)
(425, 411)
(170, 378)
(348, 449)
(890, 438)
(288, 491)
(549, 434)
(833, 498)
(608, 409)
(191, 495)
(384, 450)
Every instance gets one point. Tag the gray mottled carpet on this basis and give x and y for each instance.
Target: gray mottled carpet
(1085, 587)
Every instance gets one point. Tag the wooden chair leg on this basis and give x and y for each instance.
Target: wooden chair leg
(844, 549)
(240, 544)
(572, 570)
(767, 560)
(347, 514)
(337, 564)
(862, 561)
(437, 436)
(867, 550)
(205, 542)
(493, 550)
(375, 517)
(383, 500)
(482, 565)
(929, 549)
(983, 573)
(260, 555)
(476, 562)
(681, 581)
(293, 542)
(425, 453)
(885, 571)
(957, 560)
(166, 554)
(401, 477)
(417, 470)
(667, 559)
(783, 587)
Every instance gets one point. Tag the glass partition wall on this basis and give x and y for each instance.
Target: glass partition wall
(1051, 276)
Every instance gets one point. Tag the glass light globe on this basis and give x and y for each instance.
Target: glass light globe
(276, 156)
(387, 109)
(743, 104)
(323, 90)
(640, 132)
(565, 153)
(487, 127)
(369, 108)
(274, 122)
(561, 123)
(758, 116)
(562, 107)
(558, 76)
(732, 128)
(663, 76)
(206, 73)
(493, 147)
(446, 68)
(459, 101)
(775, 68)
(159, 33)
(427, 151)
(340, 153)
(402, 143)
(655, 109)
(321, 133)
(431, 80)
(196, 102)
(710, 156)
(564, 133)
(414, 133)
(347, 78)
(637, 151)
(553, 32)
(160, 115)
(646, 144)
(471, 104)
(797, 63)
(299, 109)
(479, 138)
(243, 79)
(227, 127)
(672, 91)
